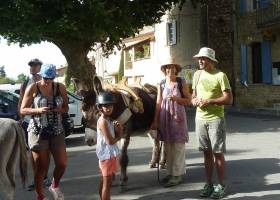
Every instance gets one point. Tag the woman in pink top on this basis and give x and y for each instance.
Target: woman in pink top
(171, 121)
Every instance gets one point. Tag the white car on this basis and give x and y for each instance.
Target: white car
(75, 103)
(75, 112)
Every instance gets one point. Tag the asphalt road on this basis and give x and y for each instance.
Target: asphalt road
(252, 168)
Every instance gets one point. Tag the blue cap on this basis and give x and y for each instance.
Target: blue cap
(48, 71)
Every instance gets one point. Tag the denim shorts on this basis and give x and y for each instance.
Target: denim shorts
(37, 143)
(211, 134)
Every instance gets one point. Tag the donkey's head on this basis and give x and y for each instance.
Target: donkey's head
(90, 112)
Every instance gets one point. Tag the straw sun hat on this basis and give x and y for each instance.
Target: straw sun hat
(171, 61)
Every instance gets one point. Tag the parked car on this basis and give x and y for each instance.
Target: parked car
(8, 105)
(75, 103)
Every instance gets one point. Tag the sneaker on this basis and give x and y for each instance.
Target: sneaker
(56, 192)
(207, 190)
(31, 187)
(47, 183)
(219, 192)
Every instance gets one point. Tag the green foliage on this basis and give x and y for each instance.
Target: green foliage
(71, 87)
(6, 80)
(21, 78)
(2, 72)
(77, 26)
(142, 51)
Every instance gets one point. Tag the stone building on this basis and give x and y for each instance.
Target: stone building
(257, 54)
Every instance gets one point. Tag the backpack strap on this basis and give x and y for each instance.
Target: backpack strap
(38, 91)
(196, 80)
(179, 82)
(180, 85)
(24, 85)
(162, 84)
(57, 91)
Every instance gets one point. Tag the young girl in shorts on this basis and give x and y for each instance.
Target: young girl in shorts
(108, 133)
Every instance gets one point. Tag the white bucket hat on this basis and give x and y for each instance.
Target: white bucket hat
(206, 52)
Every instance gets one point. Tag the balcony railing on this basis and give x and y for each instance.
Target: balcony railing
(268, 14)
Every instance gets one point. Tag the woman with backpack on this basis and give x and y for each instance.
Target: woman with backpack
(45, 101)
(171, 121)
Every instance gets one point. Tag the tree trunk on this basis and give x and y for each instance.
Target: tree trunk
(79, 65)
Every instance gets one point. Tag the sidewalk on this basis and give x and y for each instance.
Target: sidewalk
(250, 111)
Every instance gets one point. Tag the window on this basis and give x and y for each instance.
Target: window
(248, 5)
(128, 58)
(142, 51)
(256, 63)
(171, 33)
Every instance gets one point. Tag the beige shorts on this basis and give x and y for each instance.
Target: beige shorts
(211, 134)
(36, 143)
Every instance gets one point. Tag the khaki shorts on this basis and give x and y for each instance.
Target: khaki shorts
(211, 134)
(36, 143)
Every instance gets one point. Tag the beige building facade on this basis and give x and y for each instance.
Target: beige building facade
(176, 36)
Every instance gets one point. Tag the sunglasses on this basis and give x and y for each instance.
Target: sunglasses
(48, 79)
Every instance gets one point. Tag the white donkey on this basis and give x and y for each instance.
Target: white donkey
(12, 148)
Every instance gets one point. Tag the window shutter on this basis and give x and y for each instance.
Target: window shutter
(266, 61)
(244, 66)
(171, 32)
(242, 6)
(264, 3)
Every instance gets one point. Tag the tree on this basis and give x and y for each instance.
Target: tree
(2, 72)
(21, 78)
(77, 26)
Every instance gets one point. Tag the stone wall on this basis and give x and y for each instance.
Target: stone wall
(220, 34)
(257, 96)
(263, 96)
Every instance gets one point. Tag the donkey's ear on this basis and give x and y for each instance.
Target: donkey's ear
(79, 85)
(97, 85)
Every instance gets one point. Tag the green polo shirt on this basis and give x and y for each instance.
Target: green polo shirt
(210, 85)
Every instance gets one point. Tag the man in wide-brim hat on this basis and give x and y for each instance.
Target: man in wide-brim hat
(211, 91)
(207, 53)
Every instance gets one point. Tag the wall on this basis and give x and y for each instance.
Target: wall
(264, 96)
(220, 28)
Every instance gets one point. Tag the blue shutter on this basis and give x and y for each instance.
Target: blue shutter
(266, 61)
(264, 3)
(242, 6)
(243, 64)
